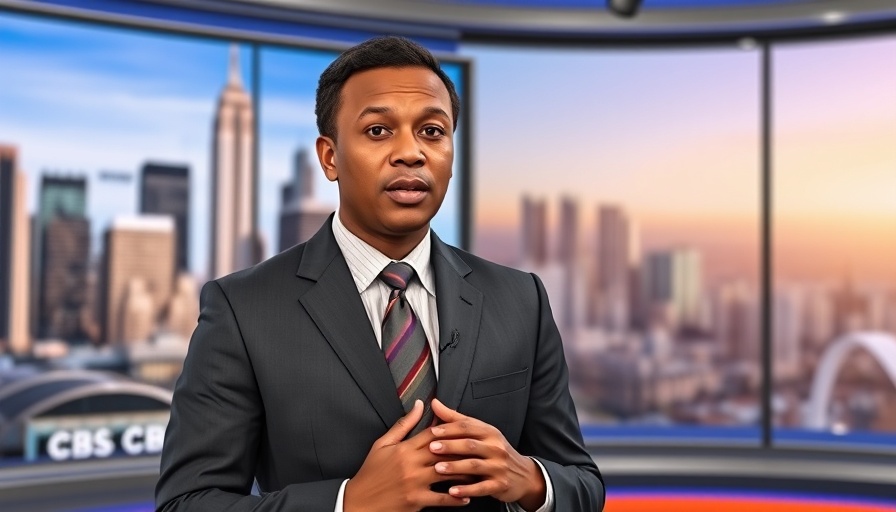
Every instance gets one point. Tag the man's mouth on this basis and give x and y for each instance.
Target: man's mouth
(407, 191)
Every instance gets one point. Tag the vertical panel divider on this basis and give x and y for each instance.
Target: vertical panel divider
(256, 152)
(766, 247)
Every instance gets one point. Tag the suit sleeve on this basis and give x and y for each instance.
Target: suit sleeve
(551, 432)
(217, 419)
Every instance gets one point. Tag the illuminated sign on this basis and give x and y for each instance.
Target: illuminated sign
(95, 436)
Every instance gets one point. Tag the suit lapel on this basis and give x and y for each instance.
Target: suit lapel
(460, 307)
(336, 308)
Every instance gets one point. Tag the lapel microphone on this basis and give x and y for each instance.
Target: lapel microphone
(455, 336)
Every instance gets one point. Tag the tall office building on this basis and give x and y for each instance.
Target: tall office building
(183, 309)
(616, 245)
(301, 215)
(851, 311)
(820, 320)
(63, 293)
(568, 255)
(736, 321)
(138, 276)
(59, 195)
(14, 264)
(787, 334)
(234, 244)
(165, 190)
(535, 232)
(673, 287)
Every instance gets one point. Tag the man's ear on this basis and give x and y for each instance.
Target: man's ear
(326, 154)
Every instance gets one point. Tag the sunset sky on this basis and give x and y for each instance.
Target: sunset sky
(674, 136)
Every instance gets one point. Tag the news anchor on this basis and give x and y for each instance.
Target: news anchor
(375, 368)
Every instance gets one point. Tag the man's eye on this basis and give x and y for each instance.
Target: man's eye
(433, 131)
(376, 131)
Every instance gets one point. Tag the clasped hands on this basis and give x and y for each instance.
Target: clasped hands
(397, 474)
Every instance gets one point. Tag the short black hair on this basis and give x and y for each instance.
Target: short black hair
(379, 52)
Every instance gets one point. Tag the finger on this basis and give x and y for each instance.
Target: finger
(403, 426)
(440, 499)
(444, 412)
(483, 488)
(477, 467)
(464, 428)
(462, 447)
(422, 439)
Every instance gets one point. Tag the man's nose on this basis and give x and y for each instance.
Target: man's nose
(407, 150)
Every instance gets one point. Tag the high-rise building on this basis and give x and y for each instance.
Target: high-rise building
(165, 190)
(850, 308)
(138, 276)
(820, 320)
(615, 255)
(183, 309)
(301, 214)
(736, 321)
(60, 195)
(788, 321)
(234, 244)
(14, 264)
(535, 232)
(63, 292)
(673, 287)
(568, 256)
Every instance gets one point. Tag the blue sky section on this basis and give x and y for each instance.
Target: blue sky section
(87, 98)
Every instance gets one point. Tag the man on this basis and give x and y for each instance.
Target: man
(338, 379)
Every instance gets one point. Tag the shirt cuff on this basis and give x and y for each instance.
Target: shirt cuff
(548, 494)
(340, 497)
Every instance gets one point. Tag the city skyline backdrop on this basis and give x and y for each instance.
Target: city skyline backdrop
(92, 101)
(675, 136)
(666, 142)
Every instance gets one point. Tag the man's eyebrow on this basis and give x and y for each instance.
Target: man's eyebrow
(437, 111)
(386, 110)
(374, 110)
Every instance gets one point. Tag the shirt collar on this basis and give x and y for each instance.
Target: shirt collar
(365, 262)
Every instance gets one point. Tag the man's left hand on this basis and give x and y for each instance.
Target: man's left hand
(483, 452)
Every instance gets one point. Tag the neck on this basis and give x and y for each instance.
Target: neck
(394, 247)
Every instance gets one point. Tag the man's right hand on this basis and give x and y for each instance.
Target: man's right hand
(396, 475)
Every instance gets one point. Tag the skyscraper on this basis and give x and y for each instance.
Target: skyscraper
(234, 244)
(60, 197)
(301, 215)
(673, 287)
(567, 254)
(14, 240)
(615, 255)
(535, 232)
(788, 318)
(63, 292)
(736, 320)
(138, 276)
(165, 190)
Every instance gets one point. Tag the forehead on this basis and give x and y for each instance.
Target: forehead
(381, 85)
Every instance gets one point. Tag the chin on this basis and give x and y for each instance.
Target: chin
(409, 221)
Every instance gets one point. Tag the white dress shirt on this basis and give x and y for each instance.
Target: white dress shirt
(365, 264)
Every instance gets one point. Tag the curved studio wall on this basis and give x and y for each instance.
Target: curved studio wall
(630, 180)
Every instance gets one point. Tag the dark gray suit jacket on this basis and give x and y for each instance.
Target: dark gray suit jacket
(284, 382)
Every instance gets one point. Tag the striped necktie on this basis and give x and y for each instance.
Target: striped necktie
(405, 347)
